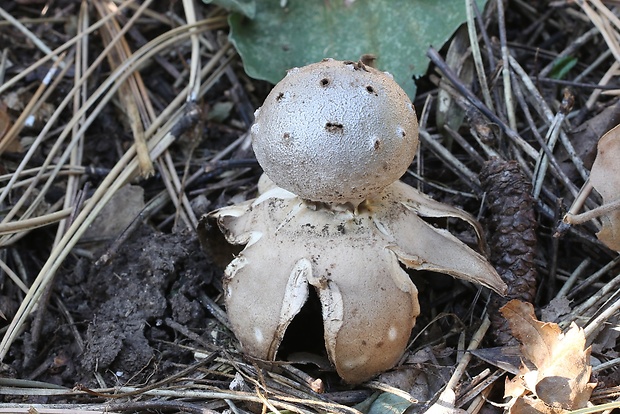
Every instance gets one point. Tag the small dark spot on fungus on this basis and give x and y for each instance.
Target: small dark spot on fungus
(286, 136)
(324, 82)
(359, 65)
(377, 145)
(363, 342)
(370, 89)
(368, 59)
(280, 96)
(334, 127)
(379, 344)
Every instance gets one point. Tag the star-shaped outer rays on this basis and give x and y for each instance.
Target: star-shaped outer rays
(351, 258)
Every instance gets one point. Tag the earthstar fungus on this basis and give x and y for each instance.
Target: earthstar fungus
(333, 138)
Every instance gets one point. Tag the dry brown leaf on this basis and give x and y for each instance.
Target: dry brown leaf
(5, 120)
(5, 126)
(556, 308)
(560, 381)
(605, 177)
(537, 338)
(529, 405)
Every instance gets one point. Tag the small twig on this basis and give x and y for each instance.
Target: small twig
(477, 56)
(578, 311)
(606, 365)
(191, 335)
(440, 186)
(33, 38)
(478, 388)
(65, 46)
(568, 51)
(593, 326)
(611, 73)
(35, 222)
(376, 385)
(460, 169)
(474, 155)
(543, 160)
(194, 77)
(13, 276)
(34, 102)
(592, 214)
(315, 384)
(510, 106)
(576, 274)
(154, 386)
(215, 310)
(473, 344)
(557, 170)
(546, 112)
(604, 28)
(81, 64)
(577, 84)
(441, 65)
(479, 401)
(594, 277)
(132, 92)
(3, 62)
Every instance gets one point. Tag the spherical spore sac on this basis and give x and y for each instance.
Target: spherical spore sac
(335, 132)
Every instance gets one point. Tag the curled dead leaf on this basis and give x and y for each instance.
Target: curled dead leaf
(605, 177)
(560, 381)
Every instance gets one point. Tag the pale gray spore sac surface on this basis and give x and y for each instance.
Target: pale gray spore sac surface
(335, 132)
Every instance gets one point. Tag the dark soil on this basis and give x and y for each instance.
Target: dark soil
(123, 306)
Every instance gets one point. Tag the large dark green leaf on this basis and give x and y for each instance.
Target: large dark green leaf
(397, 32)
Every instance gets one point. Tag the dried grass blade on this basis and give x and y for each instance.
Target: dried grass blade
(475, 49)
(132, 93)
(81, 66)
(35, 222)
(31, 36)
(34, 102)
(60, 140)
(604, 25)
(509, 101)
(194, 75)
(542, 163)
(101, 98)
(545, 113)
(56, 52)
(121, 173)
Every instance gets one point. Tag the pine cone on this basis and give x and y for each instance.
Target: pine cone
(511, 232)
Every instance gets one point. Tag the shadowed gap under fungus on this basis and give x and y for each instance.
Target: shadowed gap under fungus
(304, 335)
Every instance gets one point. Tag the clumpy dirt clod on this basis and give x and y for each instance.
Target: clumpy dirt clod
(159, 276)
(124, 304)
